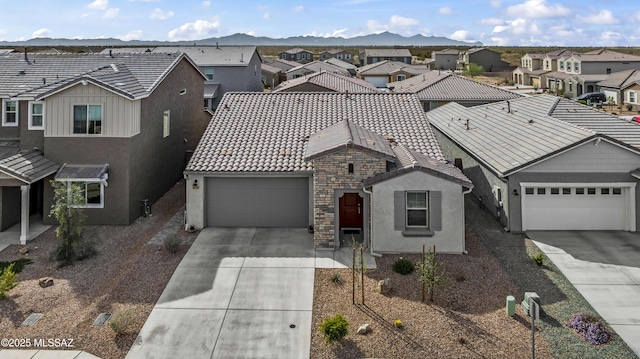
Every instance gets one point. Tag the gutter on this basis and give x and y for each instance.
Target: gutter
(464, 250)
(369, 222)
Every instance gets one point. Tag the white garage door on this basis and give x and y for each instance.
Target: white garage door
(257, 202)
(571, 207)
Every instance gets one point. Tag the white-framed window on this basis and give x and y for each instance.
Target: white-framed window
(402, 77)
(417, 207)
(92, 193)
(576, 66)
(546, 64)
(632, 97)
(561, 65)
(36, 115)
(166, 124)
(87, 119)
(208, 72)
(10, 113)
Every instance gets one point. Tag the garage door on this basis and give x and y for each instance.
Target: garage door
(258, 202)
(575, 208)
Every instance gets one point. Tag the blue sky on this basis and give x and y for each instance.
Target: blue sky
(493, 22)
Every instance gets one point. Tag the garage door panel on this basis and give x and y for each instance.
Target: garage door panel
(600, 211)
(258, 202)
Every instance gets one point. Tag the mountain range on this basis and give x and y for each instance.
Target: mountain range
(384, 39)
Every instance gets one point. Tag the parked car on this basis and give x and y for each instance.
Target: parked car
(591, 98)
(635, 119)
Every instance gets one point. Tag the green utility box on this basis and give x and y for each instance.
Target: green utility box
(511, 305)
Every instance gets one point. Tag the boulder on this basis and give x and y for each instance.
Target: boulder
(384, 286)
(45, 282)
(364, 329)
(23, 250)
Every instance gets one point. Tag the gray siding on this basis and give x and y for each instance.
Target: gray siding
(601, 67)
(385, 236)
(237, 78)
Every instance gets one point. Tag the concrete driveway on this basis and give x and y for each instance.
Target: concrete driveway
(239, 293)
(604, 266)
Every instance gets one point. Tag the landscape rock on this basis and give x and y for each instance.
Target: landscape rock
(45, 282)
(364, 329)
(24, 250)
(384, 286)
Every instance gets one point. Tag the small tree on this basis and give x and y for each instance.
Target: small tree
(473, 70)
(430, 273)
(67, 210)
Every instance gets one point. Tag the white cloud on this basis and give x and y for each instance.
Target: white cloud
(298, 8)
(604, 17)
(517, 27)
(206, 3)
(495, 3)
(133, 35)
(44, 32)
(636, 16)
(537, 9)
(445, 10)
(266, 15)
(99, 4)
(609, 36)
(491, 21)
(562, 31)
(111, 13)
(399, 21)
(335, 33)
(461, 35)
(194, 30)
(251, 33)
(159, 14)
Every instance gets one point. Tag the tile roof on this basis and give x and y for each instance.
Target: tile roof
(296, 50)
(126, 50)
(285, 65)
(270, 68)
(340, 63)
(131, 75)
(387, 53)
(28, 166)
(408, 160)
(347, 134)
(447, 52)
(334, 51)
(214, 55)
(386, 67)
(510, 135)
(558, 75)
(592, 77)
(331, 81)
(441, 85)
(269, 132)
(605, 56)
(82, 172)
(319, 66)
(621, 79)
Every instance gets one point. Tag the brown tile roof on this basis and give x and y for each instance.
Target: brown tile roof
(347, 134)
(269, 132)
(28, 166)
(387, 67)
(331, 81)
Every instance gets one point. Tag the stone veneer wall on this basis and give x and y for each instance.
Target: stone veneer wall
(331, 172)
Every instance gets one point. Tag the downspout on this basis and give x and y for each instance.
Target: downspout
(369, 222)
(464, 250)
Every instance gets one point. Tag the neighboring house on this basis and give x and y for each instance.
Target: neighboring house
(326, 82)
(314, 67)
(592, 67)
(542, 70)
(446, 59)
(271, 75)
(297, 54)
(121, 126)
(546, 163)
(5, 51)
(227, 68)
(381, 73)
(436, 88)
(345, 65)
(339, 54)
(126, 50)
(362, 164)
(372, 56)
(490, 60)
(284, 65)
(613, 86)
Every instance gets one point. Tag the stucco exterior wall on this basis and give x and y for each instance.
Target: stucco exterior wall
(331, 174)
(237, 78)
(383, 236)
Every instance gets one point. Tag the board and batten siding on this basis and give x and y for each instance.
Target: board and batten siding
(120, 116)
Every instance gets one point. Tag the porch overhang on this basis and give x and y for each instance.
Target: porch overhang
(83, 173)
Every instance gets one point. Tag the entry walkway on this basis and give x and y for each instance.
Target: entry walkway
(12, 234)
(604, 266)
(239, 293)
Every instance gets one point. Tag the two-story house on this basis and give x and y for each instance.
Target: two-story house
(589, 68)
(121, 126)
(490, 60)
(227, 68)
(381, 73)
(296, 54)
(446, 59)
(339, 54)
(371, 56)
(535, 67)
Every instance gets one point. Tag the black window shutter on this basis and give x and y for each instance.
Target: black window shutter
(435, 210)
(398, 210)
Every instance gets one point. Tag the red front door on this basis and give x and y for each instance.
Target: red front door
(351, 210)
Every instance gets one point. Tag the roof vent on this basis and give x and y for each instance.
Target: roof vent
(115, 68)
(22, 72)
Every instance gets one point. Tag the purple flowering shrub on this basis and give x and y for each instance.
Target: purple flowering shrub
(591, 329)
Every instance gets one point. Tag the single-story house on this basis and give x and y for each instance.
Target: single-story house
(327, 82)
(545, 162)
(363, 164)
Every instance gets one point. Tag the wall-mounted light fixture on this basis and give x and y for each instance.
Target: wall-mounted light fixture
(195, 185)
(515, 193)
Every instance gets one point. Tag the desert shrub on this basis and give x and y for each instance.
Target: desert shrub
(403, 266)
(18, 264)
(172, 242)
(336, 278)
(334, 329)
(123, 320)
(591, 329)
(8, 280)
(539, 259)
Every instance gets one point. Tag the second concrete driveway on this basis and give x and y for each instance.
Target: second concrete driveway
(238, 293)
(604, 266)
